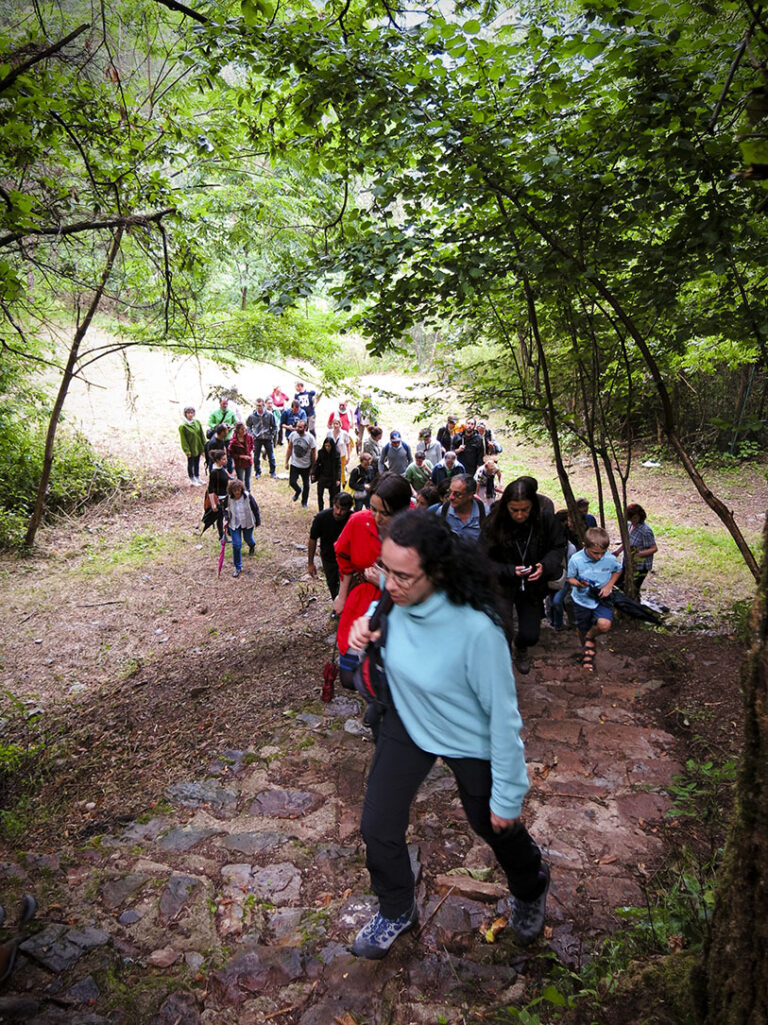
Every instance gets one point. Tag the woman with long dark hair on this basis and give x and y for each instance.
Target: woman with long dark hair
(527, 547)
(451, 695)
(327, 472)
(357, 553)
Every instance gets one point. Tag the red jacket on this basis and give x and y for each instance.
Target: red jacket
(346, 420)
(241, 452)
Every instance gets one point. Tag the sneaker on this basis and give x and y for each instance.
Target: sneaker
(304, 505)
(273, 476)
(251, 549)
(522, 661)
(236, 573)
(377, 936)
(527, 916)
(297, 496)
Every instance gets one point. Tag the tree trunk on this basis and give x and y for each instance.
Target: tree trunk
(737, 958)
(69, 373)
(715, 504)
(667, 409)
(562, 472)
(620, 504)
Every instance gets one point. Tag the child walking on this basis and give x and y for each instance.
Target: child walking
(192, 444)
(240, 522)
(592, 573)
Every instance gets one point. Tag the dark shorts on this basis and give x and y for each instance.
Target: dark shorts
(585, 618)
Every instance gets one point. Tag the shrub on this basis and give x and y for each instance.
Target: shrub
(79, 476)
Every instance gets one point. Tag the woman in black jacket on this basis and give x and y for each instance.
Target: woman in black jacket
(327, 472)
(527, 546)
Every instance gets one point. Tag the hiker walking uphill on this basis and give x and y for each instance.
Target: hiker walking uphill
(357, 553)
(261, 425)
(300, 457)
(642, 546)
(451, 695)
(592, 573)
(526, 545)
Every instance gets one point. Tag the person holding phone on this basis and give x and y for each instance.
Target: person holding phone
(526, 545)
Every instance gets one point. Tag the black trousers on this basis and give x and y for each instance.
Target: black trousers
(398, 769)
(258, 445)
(529, 606)
(331, 488)
(331, 570)
(296, 474)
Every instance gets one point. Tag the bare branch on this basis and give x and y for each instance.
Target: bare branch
(732, 70)
(10, 78)
(133, 220)
(174, 5)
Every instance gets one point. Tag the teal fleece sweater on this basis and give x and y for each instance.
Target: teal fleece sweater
(450, 673)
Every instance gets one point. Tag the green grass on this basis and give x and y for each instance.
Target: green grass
(134, 551)
(707, 563)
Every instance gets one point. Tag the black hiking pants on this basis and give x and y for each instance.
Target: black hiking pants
(398, 769)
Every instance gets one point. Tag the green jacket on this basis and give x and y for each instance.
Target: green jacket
(192, 437)
(217, 417)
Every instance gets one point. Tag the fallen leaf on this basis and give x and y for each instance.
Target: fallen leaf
(490, 932)
(607, 859)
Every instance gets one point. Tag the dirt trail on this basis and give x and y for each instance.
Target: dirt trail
(210, 866)
(135, 416)
(199, 859)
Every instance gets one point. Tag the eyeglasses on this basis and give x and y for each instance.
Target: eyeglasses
(403, 580)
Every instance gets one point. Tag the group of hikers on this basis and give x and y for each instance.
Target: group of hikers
(429, 561)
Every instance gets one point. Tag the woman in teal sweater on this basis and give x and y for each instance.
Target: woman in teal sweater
(453, 696)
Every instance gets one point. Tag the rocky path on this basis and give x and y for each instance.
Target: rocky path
(234, 901)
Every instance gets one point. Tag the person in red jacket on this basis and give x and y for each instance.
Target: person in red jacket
(357, 553)
(241, 454)
(343, 414)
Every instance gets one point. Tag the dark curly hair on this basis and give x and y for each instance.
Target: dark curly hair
(452, 564)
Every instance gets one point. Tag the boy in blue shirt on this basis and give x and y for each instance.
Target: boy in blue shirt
(592, 573)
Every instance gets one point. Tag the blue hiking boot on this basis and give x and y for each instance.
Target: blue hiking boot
(377, 936)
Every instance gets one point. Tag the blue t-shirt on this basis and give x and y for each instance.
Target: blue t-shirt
(597, 573)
